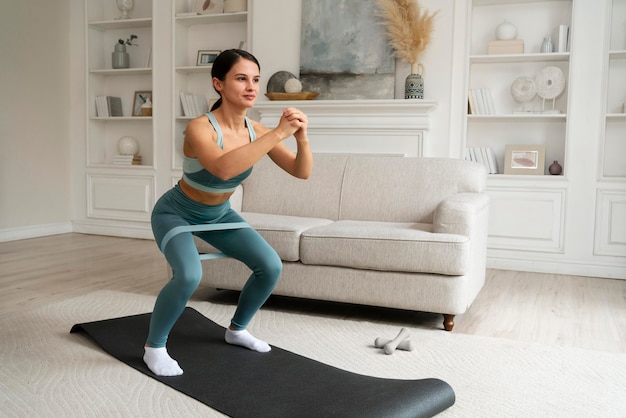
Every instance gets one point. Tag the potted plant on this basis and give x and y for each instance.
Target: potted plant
(119, 57)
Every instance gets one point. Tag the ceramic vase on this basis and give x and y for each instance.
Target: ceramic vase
(119, 57)
(546, 45)
(555, 168)
(414, 83)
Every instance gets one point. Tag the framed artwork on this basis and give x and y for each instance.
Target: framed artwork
(140, 98)
(208, 7)
(524, 159)
(207, 57)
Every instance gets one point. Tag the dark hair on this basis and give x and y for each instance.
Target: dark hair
(224, 62)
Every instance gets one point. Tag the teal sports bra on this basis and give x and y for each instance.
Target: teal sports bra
(201, 179)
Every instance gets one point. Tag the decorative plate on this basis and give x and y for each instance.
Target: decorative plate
(276, 83)
(550, 82)
(523, 89)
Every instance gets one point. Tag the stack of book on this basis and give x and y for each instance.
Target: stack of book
(193, 105)
(120, 159)
(107, 106)
(481, 102)
(485, 156)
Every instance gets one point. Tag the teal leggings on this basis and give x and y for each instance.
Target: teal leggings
(175, 209)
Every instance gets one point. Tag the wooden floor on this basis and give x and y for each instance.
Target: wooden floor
(570, 311)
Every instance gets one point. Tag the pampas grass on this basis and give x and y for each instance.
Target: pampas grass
(408, 27)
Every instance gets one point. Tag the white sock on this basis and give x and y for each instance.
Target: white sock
(160, 362)
(245, 339)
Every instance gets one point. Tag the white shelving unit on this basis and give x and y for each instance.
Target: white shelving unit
(613, 165)
(533, 20)
(102, 33)
(210, 32)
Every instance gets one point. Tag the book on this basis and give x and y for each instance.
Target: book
(488, 98)
(472, 103)
(493, 166)
(185, 104)
(114, 106)
(193, 105)
(560, 38)
(119, 159)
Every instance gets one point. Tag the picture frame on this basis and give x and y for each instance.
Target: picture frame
(206, 57)
(208, 7)
(139, 99)
(524, 159)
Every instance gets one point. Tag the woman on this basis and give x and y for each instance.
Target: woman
(220, 149)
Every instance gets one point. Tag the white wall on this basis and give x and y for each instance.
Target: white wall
(35, 171)
(276, 43)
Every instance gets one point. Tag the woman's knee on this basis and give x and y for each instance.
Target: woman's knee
(187, 278)
(272, 267)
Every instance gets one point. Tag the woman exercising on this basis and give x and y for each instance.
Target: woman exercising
(220, 149)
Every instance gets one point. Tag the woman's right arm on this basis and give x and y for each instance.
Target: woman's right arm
(227, 164)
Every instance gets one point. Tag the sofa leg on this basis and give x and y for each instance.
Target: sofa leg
(448, 322)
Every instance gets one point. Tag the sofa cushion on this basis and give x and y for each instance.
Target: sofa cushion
(269, 189)
(283, 232)
(393, 189)
(391, 246)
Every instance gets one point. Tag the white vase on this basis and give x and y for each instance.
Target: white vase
(125, 6)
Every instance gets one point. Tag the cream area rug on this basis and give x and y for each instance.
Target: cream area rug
(47, 372)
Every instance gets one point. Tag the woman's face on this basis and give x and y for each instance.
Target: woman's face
(241, 84)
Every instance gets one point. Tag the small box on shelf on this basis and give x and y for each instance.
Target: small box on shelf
(514, 46)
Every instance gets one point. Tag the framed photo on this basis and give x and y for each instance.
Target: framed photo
(524, 159)
(140, 98)
(208, 7)
(207, 57)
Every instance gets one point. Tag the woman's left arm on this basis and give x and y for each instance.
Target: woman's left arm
(299, 164)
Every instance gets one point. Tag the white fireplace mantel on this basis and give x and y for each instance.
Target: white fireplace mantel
(359, 126)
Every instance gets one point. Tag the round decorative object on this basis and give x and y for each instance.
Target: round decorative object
(555, 168)
(127, 145)
(293, 85)
(523, 89)
(276, 83)
(506, 31)
(550, 82)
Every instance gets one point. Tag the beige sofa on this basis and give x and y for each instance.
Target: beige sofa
(406, 233)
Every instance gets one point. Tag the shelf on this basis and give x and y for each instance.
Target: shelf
(127, 167)
(617, 54)
(495, 2)
(616, 116)
(507, 58)
(121, 24)
(532, 117)
(122, 71)
(121, 118)
(195, 69)
(216, 18)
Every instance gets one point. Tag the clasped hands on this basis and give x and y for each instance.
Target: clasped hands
(294, 122)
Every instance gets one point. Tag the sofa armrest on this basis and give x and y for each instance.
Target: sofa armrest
(461, 214)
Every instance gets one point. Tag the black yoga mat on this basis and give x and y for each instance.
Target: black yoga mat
(243, 383)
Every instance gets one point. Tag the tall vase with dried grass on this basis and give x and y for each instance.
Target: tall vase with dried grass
(409, 28)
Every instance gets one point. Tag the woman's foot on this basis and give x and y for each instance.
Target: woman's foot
(160, 362)
(245, 339)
